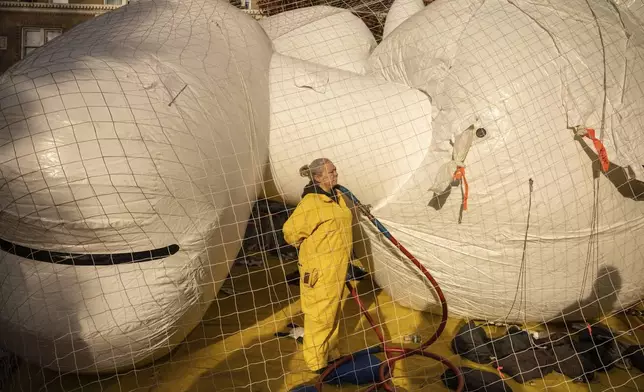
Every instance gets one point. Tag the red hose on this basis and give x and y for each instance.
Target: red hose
(386, 368)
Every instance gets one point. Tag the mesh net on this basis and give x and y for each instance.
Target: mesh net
(156, 232)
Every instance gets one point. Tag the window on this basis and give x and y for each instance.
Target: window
(114, 2)
(35, 37)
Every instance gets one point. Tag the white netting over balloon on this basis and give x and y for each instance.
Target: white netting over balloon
(150, 157)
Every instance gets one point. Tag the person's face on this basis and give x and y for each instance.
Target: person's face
(329, 177)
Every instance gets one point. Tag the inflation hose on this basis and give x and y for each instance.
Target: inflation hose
(393, 354)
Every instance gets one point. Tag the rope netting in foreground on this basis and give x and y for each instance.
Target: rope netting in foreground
(490, 156)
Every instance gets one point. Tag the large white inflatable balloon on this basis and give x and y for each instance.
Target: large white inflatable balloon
(502, 92)
(131, 150)
(324, 35)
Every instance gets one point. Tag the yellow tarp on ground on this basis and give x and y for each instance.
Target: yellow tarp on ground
(234, 348)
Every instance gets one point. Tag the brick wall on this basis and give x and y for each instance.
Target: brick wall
(11, 24)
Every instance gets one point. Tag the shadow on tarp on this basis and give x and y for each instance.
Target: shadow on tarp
(602, 300)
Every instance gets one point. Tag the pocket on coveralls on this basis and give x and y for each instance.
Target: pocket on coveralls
(309, 279)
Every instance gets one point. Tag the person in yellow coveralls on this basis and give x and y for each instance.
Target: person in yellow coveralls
(321, 228)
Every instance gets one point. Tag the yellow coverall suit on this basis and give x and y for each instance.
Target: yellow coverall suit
(321, 228)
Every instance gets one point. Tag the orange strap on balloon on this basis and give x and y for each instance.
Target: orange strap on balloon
(460, 174)
(601, 150)
(498, 369)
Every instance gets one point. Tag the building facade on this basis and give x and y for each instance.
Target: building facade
(27, 25)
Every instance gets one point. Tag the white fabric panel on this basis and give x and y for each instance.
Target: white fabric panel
(324, 35)
(528, 71)
(376, 132)
(142, 128)
(399, 12)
